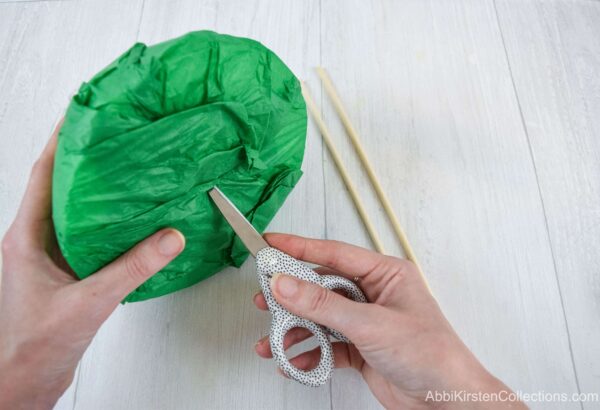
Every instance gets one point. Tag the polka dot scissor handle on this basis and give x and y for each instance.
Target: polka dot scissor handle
(270, 261)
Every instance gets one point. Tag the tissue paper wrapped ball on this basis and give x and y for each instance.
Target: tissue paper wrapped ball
(146, 138)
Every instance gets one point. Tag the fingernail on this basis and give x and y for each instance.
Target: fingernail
(171, 243)
(260, 346)
(286, 285)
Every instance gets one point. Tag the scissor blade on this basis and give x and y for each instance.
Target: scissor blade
(244, 229)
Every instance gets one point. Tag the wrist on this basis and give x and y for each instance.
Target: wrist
(480, 390)
(468, 385)
(25, 383)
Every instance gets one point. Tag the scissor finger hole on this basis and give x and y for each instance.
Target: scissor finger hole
(314, 376)
(342, 292)
(297, 341)
(343, 287)
(308, 360)
(298, 338)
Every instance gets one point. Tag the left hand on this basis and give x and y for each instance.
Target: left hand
(47, 316)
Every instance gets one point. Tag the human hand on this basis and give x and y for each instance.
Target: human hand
(402, 344)
(47, 316)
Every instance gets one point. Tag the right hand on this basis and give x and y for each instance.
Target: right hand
(402, 344)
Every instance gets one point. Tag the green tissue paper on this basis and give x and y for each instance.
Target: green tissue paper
(147, 137)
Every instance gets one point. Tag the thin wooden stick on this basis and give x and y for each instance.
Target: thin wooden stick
(339, 107)
(312, 107)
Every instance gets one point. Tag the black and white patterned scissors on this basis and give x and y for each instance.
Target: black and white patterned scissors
(270, 261)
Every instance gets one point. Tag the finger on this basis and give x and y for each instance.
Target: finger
(130, 270)
(325, 307)
(259, 301)
(344, 356)
(292, 337)
(324, 270)
(348, 260)
(35, 209)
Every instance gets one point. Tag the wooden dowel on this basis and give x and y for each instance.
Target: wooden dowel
(339, 107)
(312, 107)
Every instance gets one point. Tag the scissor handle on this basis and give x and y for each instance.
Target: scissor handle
(333, 282)
(270, 261)
(282, 323)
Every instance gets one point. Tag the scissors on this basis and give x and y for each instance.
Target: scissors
(270, 261)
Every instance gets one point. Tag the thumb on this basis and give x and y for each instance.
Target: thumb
(130, 270)
(323, 306)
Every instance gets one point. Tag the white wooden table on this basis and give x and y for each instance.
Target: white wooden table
(482, 119)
